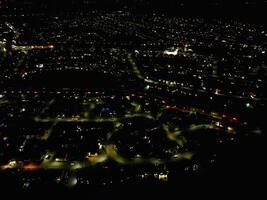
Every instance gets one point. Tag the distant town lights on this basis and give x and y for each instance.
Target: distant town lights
(171, 53)
(40, 65)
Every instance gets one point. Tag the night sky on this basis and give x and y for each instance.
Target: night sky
(249, 10)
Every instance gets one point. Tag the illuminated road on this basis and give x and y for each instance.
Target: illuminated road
(140, 76)
(110, 151)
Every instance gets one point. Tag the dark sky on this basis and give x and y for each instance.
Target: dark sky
(244, 8)
(221, 2)
(152, 3)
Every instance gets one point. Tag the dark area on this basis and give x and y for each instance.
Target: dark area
(70, 79)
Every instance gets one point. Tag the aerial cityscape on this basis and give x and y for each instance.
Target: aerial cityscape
(96, 96)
